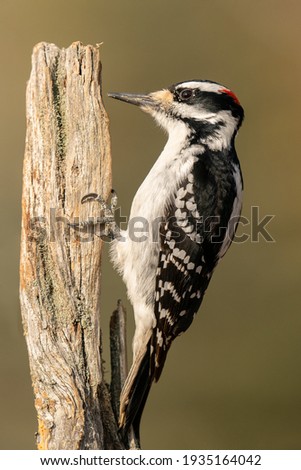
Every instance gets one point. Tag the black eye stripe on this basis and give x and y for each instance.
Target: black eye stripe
(212, 101)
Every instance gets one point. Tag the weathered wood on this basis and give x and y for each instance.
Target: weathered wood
(67, 155)
(118, 350)
(119, 366)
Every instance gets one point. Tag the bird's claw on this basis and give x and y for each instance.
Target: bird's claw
(108, 220)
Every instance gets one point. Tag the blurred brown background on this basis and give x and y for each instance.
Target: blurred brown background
(233, 380)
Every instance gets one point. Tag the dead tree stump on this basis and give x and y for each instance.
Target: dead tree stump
(67, 155)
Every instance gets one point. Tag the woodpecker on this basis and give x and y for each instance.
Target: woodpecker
(191, 200)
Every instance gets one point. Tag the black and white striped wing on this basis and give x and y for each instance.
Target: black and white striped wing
(183, 273)
(181, 282)
(193, 238)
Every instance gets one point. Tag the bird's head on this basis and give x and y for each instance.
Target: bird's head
(207, 109)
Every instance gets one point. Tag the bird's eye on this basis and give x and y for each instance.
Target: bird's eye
(185, 94)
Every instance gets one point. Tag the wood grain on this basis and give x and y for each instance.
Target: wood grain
(67, 155)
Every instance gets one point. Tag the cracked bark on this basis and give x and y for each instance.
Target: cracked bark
(67, 155)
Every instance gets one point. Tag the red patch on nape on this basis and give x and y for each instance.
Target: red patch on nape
(230, 93)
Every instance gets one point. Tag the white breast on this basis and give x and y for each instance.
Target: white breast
(137, 261)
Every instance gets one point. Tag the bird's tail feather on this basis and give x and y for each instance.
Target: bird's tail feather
(135, 392)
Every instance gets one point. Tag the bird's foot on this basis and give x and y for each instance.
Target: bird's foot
(110, 228)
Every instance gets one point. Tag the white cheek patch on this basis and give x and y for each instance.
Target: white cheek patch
(179, 131)
(184, 111)
(199, 113)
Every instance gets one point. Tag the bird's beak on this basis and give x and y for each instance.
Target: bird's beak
(133, 98)
(149, 103)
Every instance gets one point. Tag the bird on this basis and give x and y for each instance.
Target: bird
(188, 207)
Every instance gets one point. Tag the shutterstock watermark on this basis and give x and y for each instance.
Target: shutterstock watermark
(255, 228)
(258, 227)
